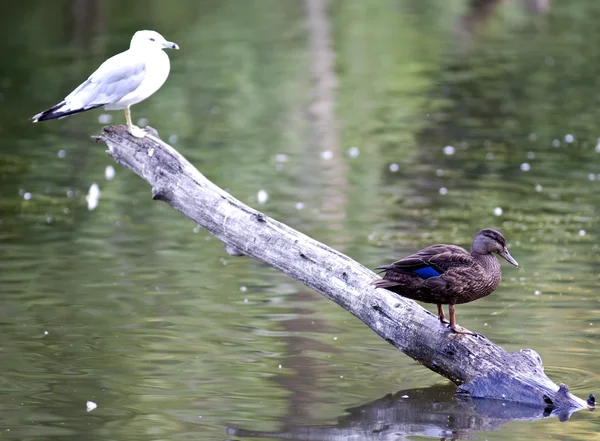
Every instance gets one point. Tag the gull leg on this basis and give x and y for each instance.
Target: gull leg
(134, 130)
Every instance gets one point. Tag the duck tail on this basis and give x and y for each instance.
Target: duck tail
(383, 283)
(383, 268)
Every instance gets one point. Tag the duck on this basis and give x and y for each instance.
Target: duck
(449, 274)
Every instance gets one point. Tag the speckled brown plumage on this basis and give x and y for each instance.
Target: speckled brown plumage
(448, 274)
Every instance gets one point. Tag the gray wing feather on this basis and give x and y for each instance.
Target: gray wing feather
(115, 78)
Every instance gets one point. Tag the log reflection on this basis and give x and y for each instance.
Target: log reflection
(433, 412)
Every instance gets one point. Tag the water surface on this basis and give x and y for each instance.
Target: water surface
(443, 121)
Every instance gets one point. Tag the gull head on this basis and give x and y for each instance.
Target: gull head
(151, 39)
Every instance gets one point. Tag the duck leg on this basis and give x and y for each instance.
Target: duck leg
(454, 326)
(441, 315)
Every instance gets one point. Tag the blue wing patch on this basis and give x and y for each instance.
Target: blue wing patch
(427, 272)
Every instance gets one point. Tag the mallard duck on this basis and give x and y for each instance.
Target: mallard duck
(449, 274)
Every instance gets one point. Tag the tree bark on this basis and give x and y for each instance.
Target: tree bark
(477, 366)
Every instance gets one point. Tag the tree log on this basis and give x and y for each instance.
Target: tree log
(477, 366)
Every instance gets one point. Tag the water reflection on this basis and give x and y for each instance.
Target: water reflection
(433, 412)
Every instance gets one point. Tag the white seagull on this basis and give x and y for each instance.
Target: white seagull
(121, 81)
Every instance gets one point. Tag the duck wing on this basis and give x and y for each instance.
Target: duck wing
(431, 261)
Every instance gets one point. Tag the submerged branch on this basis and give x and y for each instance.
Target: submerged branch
(479, 367)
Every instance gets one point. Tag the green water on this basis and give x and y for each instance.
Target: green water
(131, 306)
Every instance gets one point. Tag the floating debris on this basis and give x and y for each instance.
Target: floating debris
(90, 405)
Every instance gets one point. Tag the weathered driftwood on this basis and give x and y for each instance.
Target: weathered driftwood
(479, 367)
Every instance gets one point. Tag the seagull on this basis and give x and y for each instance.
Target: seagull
(121, 81)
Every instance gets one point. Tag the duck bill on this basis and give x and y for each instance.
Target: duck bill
(509, 258)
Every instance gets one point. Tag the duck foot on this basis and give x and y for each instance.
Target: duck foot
(460, 330)
(454, 326)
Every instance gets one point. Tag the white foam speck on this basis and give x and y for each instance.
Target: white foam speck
(142, 122)
(90, 405)
(109, 172)
(443, 190)
(243, 288)
(449, 150)
(93, 196)
(394, 167)
(569, 138)
(173, 139)
(105, 118)
(262, 196)
(556, 143)
(62, 153)
(538, 188)
(327, 155)
(27, 196)
(353, 152)
(581, 232)
(536, 292)
(299, 205)
(525, 167)
(497, 211)
(281, 157)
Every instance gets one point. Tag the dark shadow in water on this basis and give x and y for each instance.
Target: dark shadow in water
(433, 412)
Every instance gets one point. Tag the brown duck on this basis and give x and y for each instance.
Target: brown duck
(448, 274)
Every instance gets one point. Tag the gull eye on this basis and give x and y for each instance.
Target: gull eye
(152, 39)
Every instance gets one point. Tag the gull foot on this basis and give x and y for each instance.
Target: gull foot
(137, 132)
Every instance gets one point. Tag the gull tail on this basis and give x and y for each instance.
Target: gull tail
(61, 110)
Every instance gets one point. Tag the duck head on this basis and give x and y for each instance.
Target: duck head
(490, 241)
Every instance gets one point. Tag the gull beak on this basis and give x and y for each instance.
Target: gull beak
(504, 253)
(170, 45)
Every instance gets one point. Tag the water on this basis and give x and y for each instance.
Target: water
(134, 308)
